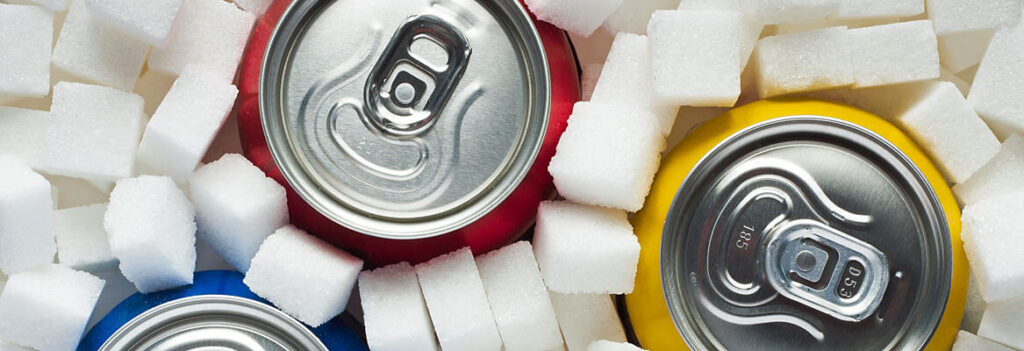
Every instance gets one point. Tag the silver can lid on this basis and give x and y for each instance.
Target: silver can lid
(405, 119)
(806, 232)
(213, 322)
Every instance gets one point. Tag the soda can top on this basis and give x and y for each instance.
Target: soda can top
(405, 119)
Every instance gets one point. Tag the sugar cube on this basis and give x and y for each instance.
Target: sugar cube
(695, 57)
(791, 11)
(626, 80)
(953, 16)
(975, 307)
(153, 87)
(867, 9)
(989, 231)
(55, 5)
(632, 16)
(1001, 175)
(894, 53)
(958, 51)
(608, 155)
(950, 131)
(606, 345)
(23, 134)
(394, 312)
(256, 7)
(94, 132)
(302, 275)
(585, 249)
(237, 207)
(585, 318)
(518, 298)
(591, 73)
(581, 17)
(1003, 322)
(210, 33)
(965, 341)
(152, 231)
(457, 302)
(96, 52)
(26, 33)
(804, 61)
(184, 125)
(998, 89)
(81, 239)
(148, 20)
(47, 308)
(26, 217)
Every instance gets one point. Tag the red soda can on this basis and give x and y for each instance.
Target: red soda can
(404, 129)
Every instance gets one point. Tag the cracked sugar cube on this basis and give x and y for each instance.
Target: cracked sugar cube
(894, 53)
(149, 20)
(518, 298)
(209, 33)
(302, 275)
(959, 51)
(804, 61)
(585, 249)
(872, 9)
(1003, 322)
(26, 217)
(997, 92)
(954, 16)
(606, 345)
(791, 11)
(81, 239)
(965, 341)
(990, 230)
(394, 311)
(585, 318)
(185, 123)
(608, 155)
(92, 50)
(632, 16)
(695, 57)
(152, 232)
(237, 207)
(580, 17)
(26, 33)
(626, 80)
(23, 134)
(945, 125)
(256, 7)
(94, 132)
(47, 308)
(457, 302)
(1000, 175)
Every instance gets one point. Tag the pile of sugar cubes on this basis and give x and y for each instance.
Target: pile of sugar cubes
(109, 109)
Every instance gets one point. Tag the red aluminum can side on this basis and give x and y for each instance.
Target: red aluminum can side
(501, 226)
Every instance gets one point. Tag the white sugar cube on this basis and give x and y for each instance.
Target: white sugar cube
(26, 217)
(580, 17)
(998, 89)
(804, 61)
(152, 231)
(26, 33)
(958, 51)
(626, 80)
(974, 309)
(184, 125)
(965, 341)
(55, 5)
(950, 131)
(148, 20)
(605, 345)
(585, 318)
(47, 308)
(869, 9)
(457, 302)
(695, 57)
(1003, 323)
(210, 33)
(256, 7)
(394, 312)
(608, 155)
(304, 276)
(23, 134)
(989, 226)
(81, 239)
(153, 87)
(953, 16)
(585, 249)
(894, 53)
(633, 15)
(237, 207)
(94, 132)
(791, 11)
(518, 298)
(591, 73)
(96, 52)
(1002, 174)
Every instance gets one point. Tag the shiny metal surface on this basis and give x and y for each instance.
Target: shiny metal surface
(805, 232)
(213, 322)
(404, 119)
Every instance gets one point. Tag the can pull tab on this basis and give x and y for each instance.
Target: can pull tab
(406, 91)
(826, 269)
